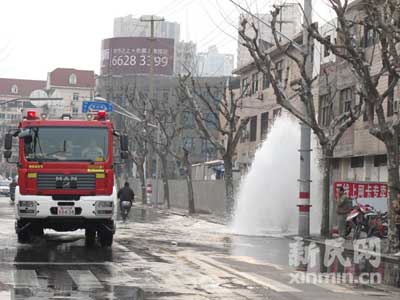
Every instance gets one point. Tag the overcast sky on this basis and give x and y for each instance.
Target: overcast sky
(37, 36)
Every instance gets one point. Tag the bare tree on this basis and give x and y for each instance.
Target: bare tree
(217, 113)
(164, 140)
(373, 65)
(139, 133)
(302, 88)
(165, 116)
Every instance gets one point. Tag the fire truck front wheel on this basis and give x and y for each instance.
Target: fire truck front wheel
(24, 237)
(90, 237)
(105, 234)
(27, 232)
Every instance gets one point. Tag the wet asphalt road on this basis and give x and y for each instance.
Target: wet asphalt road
(156, 255)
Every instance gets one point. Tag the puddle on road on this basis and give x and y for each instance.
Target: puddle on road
(141, 215)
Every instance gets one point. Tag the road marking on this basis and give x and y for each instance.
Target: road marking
(5, 295)
(24, 278)
(84, 279)
(253, 261)
(335, 288)
(260, 280)
(132, 254)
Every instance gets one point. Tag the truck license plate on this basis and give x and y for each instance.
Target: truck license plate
(66, 211)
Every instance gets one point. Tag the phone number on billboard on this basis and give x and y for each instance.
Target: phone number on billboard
(142, 60)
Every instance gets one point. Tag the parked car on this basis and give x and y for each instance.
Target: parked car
(4, 188)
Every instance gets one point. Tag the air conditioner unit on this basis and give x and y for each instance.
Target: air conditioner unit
(396, 106)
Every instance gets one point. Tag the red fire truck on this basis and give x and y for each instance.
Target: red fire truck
(65, 176)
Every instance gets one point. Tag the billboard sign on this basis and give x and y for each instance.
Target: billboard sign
(88, 106)
(132, 55)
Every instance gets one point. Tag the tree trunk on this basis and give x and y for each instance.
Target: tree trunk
(393, 184)
(326, 184)
(229, 189)
(189, 182)
(140, 169)
(164, 165)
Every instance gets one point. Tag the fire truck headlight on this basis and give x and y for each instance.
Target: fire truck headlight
(26, 204)
(104, 204)
(104, 208)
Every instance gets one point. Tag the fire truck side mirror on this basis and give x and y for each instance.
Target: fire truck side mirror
(8, 141)
(124, 143)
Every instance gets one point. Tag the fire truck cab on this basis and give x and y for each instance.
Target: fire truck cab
(65, 176)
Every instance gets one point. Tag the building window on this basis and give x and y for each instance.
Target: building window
(72, 79)
(357, 162)
(254, 83)
(346, 100)
(253, 129)
(245, 134)
(279, 71)
(265, 82)
(188, 120)
(370, 36)
(14, 89)
(210, 120)
(326, 50)
(75, 110)
(165, 96)
(264, 125)
(276, 113)
(245, 86)
(326, 110)
(188, 143)
(380, 160)
(75, 96)
(206, 146)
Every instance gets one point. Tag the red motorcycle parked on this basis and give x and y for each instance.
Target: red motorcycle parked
(364, 218)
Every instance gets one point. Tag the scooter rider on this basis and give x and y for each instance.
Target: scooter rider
(126, 194)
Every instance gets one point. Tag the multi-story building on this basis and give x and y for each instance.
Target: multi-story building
(359, 156)
(185, 57)
(259, 102)
(213, 63)
(184, 52)
(288, 23)
(130, 26)
(11, 111)
(73, 86)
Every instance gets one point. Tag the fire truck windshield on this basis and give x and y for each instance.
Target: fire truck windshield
(67, 144)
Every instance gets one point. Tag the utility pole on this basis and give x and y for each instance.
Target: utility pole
(152, 20)
(305, 135)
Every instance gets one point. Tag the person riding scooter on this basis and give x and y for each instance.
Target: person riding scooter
(126, 196)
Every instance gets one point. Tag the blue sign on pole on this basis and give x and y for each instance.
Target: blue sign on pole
(88, 106)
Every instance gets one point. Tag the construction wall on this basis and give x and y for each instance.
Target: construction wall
(209, 195)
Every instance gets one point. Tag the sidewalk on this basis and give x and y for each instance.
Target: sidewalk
(349, 247)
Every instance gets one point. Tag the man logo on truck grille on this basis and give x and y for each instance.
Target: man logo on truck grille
(66, 182)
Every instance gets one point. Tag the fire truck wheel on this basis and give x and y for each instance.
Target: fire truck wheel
(90, 237)
(105, 237)
(24, 237)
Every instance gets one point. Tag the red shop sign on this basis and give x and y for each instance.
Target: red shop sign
(363, 189)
